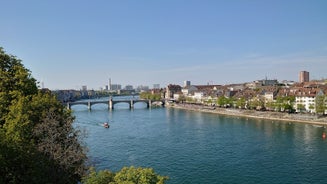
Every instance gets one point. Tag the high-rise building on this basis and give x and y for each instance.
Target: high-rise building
(304, 76)
(109, 85)
(115, 87)
(187, 83)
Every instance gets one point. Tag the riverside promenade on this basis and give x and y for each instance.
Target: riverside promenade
(268, 115)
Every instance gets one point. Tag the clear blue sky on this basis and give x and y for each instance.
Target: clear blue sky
(70, 43)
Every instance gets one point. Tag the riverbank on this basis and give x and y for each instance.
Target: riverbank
(278, 116)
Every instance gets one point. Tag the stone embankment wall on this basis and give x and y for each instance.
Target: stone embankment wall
(280, 116)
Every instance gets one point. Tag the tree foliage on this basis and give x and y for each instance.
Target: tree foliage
(15, 81)
(285, 103)
(150, 96)
(222, 101)
(100, 177)
(127, 175)
(241, 102)
(182, 98)
(37, 141)
(190, 100)
(255, 103)
(320, 103)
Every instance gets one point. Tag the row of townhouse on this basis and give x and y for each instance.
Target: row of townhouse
(305, 93)
(203, 92)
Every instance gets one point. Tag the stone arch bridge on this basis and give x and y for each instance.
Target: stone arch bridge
(111, 103)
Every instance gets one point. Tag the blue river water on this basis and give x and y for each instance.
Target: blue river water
(196, 148)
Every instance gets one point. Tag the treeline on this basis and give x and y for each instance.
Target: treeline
(150, 96)
(281, 104)
(38, 143)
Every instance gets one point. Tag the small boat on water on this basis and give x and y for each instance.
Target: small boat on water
(106, 125)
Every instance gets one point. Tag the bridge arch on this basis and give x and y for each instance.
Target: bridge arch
(146, 102)
(111, 103)
(119, 102)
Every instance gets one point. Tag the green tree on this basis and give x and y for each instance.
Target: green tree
(256, 103)
(300, 107)
(127, 175)
(270, 105)
(279, 103)
(320, 103)
(289, 103)
(15, 81)
(138, 175)
(182, 98)
(232, 102)
(144, 95)
(311, 107)
(240, 103)
(100, 177)
(190, 100)
(222, 101)
(38, 143)
(285, 103)
(150, 96)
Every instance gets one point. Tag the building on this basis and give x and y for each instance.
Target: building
(198, 96)
(172, 89)
(305, 103)
(267, 82)
(187, 83)
(115, 87)
(109, 84)
(268, 96)
(287, 83)
(189, 90)
(264, 82)
(142, 88)
(305, 99)
(304, 76)
(129, 87)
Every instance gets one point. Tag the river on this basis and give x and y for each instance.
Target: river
(196, 148)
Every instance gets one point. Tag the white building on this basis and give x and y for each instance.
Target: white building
(198, 96)
(305, 103)
(269, 97)
(306, 100)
